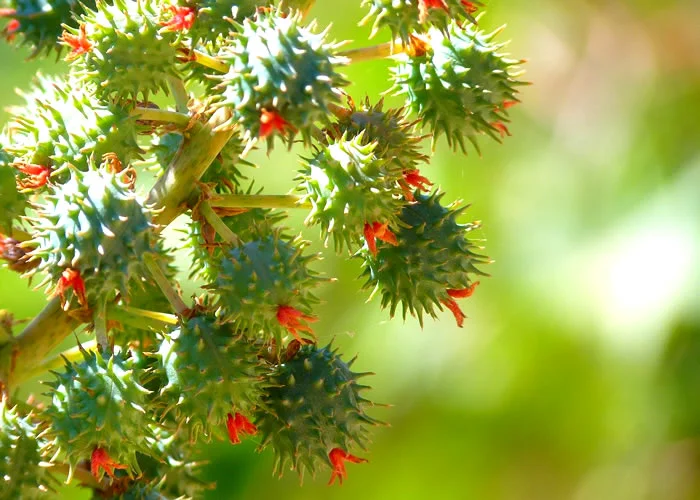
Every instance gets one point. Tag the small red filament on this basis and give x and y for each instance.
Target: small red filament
(37, 175)
(291, 319)
(378, 231)
(338, 457)
(462, 293)
(271, 122)
(182, 20)
(70, 278)
(78, 43)
(413, 178)
(239, 424)
(100, 459)
(454, 307)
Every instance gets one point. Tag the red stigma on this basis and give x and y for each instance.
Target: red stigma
(290, 318)
(378, 231)
(470, 7)
(239, 423)
(454, 307)
(38, 175)
(508, 104)
(70, 278)
(11, 29)
(413, 178)
(425, 5)
(182, 20)
(79, 43)
(270, 122)
(100, 459)
(338, 457)
(501, 128)
(462, 293)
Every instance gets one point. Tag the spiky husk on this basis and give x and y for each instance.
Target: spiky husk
(277, 65)
(96, 225)
(41, 22)
(63, 123)
(396, 138)
(460, 85)
(99, 403)
(21, 474)
(212, 22)
(131, 56)
(404, 17)
(348, 187)
(12, 202)
(212, 370)
(255, 278)
(433, 255)
(311, 406)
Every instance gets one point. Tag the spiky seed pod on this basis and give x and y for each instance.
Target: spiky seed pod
(139, 491)
(212, 370)
(12, 202)
(41, 21)
(223, 175)
(396, 138)
(459, 84)
(123, 52)
(21, 472)
(348, 187)
(282, 77)
(206, 253)
(63, 123)
(433, 255)
(98, 403)
(95, 225)
(403, 17)
(255, 279)
(311, 406)
(212, 22)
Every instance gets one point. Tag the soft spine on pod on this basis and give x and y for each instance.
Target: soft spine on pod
(311, 408)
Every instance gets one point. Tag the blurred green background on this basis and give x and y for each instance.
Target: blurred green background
(577, 374)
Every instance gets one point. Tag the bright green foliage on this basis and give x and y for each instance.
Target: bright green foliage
(212, 370)
(112, 409)
(312, 405)
(255, 278)
(12, 202)
(404, 17)
(41, 21)
(279, 66)
(131, 56)
(62, 123)
(348, 187)
(21, 475)
(94, 224)
(461, 86)
(433, 255)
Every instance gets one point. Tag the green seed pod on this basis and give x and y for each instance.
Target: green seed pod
(433, 255)
(348, 187)
(129, 54)
(62, 123)
(20, 457)
(98, 403)
(212, 370)
(41, 22)
(459, 84)
(258, 282)
(282, 77)
(95, 225)
(213, 17)
(311, 406)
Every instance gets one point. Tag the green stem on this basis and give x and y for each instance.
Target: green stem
(74, 354)
(81, 474)
(182, 98)
(161, 116)
(141, 318)
(100, 321)
(209, 61)
(219, 226)
(259, 201)
(165, 286)
(374, 52)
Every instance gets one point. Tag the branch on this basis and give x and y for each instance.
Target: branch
(259, 201)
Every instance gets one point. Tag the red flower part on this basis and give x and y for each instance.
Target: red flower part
(462, 293)
(38, 175)
(501, 127)
(290, 318)
(508, 104)
(338, 457)
(11, 29)
(416, 180)
(454, 307)
(70, 278)
(425, 5)
(101, 459)
(380, 231)
(78, 43)
(271, 121)
(470, 7)
(239, 423)
(182, 20)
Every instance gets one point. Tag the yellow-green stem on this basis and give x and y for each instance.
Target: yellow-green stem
(215, 221)
(165, 286)
(141, 318)
(161, 116)
(209, 61)
(74, 354)
(374, 52)
(259, 201)
(182, 98)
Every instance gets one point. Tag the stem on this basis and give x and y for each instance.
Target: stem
(100, 320)
(208, 61)
(83, 475)
(165, 285)
(57, 362)
(258, 201)
(215, 221)
(374, 52)
(141, 318)
(20, 235)
(182, 98)
(161, 115)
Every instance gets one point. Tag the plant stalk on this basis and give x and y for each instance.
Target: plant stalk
(215, 221)
(259, 201)
(161, 116)
(165, 286)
